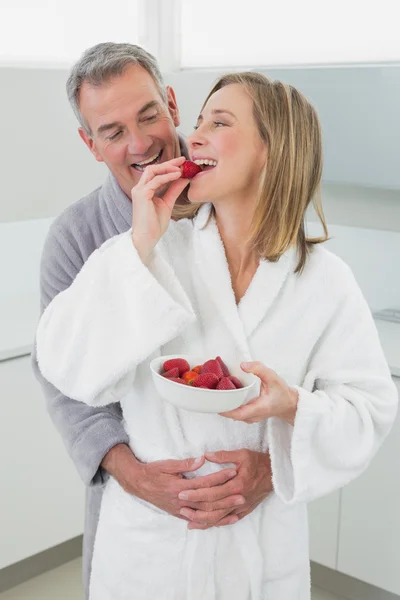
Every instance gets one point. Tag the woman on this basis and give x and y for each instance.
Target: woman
(234, 276)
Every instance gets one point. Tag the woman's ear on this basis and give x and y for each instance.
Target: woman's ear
(173, 106)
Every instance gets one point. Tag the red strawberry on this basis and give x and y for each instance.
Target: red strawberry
(225, 384)
(236, 382)
(177, 380)
(224, 368)
(190, 169)
(190, 376)
(171, 373)
(207, 380)
(212, 366)
(179, 363)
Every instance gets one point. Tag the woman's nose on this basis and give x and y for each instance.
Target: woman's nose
(195, 140)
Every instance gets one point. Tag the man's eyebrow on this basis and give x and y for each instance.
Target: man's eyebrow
(108, 126)
(148, 105)
(218, 111)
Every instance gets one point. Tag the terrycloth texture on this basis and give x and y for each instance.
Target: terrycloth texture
(87, 432)
(315, 330)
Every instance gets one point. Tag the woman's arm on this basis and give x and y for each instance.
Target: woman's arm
(114, 315)
(87, 432)
(324, 433)
(123, 305)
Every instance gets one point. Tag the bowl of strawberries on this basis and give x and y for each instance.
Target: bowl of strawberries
(209, 386)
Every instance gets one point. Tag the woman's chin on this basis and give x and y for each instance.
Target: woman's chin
(197, 199)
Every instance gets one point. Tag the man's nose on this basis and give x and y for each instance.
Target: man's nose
(138, 143)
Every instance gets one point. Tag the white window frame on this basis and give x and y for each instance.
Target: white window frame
(161, 30)
(159, 33)
(161, 38)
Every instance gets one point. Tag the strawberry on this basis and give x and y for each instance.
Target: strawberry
(190, 376)
(190, 169)
(179, 363)
(171, 373)
(197, 369)
(206, 380)
(224, 368)
(225, 384)
(177, 380)
(212, 366)
(236, 382)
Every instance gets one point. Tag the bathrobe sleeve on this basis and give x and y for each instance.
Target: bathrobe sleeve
(115, 314)
(347, 404)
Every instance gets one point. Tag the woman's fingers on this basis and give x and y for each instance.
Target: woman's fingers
(174, 191)
(148, 190)
(252, 412)
(166, 167)
(260, 370)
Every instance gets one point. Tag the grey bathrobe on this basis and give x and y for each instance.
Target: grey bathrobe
(88, 433)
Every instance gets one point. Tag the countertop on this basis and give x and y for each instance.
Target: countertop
(389, 333)
(18, 320)
(17, 335)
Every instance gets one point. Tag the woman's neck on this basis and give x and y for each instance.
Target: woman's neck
(234, 222)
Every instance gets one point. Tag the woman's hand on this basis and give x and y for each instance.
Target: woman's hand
(276, 398)
(151, 212)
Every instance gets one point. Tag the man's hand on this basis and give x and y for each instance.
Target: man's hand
(161, 482)
(253, 482)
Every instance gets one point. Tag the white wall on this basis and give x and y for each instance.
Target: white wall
(44, 164)
(46, 167)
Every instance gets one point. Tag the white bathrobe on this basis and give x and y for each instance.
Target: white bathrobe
(95, 342)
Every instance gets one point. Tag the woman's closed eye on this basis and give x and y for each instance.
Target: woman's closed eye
(216, 123)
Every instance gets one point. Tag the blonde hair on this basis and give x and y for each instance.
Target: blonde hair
(291, 177)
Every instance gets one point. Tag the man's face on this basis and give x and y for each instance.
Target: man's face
(131, 125)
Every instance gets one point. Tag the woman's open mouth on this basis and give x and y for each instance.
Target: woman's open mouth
(206, 164)
(152, 160)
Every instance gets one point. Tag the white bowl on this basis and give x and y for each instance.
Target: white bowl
(200, 399)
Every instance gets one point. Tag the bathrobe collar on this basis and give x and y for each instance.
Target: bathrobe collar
(262, 292)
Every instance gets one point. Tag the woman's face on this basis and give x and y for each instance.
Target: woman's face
(227, 134)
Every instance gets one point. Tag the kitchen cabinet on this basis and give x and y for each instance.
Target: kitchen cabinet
(42, 497)
(323, 518)
(369, 529)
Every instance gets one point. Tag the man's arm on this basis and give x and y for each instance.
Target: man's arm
(95, 438)
(88, 433)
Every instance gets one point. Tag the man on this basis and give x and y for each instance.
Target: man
(128, 120)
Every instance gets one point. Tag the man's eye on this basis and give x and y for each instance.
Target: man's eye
(218, 123)
(115, 135)
(152, 118)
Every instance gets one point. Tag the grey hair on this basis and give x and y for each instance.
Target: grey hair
(104, 61)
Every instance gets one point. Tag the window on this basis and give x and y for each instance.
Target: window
(58, 31)
(223, 33)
